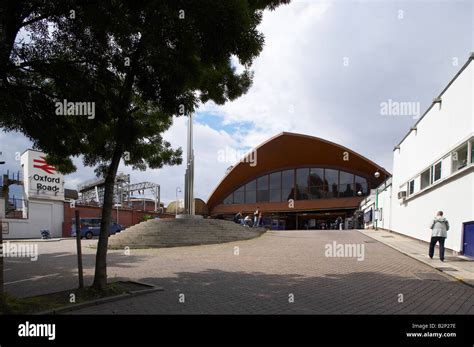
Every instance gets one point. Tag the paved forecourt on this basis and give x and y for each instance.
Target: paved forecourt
(288, 272)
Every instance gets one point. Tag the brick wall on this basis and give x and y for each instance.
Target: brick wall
(126, 216)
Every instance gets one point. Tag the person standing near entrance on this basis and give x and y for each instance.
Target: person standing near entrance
(439, 233)
(255, 217)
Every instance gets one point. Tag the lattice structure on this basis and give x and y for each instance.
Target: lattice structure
(92, 191)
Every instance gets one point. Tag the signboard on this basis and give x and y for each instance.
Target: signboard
(41, 180)
(4, 226)
(377, 215)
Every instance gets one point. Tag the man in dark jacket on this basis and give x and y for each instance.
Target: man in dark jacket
(238, 218)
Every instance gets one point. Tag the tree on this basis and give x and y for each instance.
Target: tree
(139, 64)
(15, 15)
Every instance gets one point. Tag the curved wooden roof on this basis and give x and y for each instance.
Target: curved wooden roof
(288, 150)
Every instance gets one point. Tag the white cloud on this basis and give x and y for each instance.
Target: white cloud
(279, 99)
(301, 85)
(208, 170)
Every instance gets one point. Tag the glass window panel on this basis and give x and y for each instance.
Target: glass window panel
(361, 186)
(275, 195)
(252, 185)
(346, 184)
(316, 176)
(359, 179)
(251, 197)
(345, 178)
(459, 158)
(425, 179)
(331, 180)
(262, 183)
(287, 194)
(262, 195)
(240, 189)
(229, 199)
(275, 186)
(288, 177)
(472, 151)
(331, 191)
(317, 192)
(302, 176)
(302, 193)
(275, 180)
(331, 177)
(239, 197)
(262, 189)
(411, 187)
(346, 190)
(437, 172)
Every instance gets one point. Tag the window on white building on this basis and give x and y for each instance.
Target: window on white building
(425, 179)
(459, 158)
(411, 187)
(451, 163)
(472, 151)
(436, 171)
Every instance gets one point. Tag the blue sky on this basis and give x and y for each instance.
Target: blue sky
(325, 70)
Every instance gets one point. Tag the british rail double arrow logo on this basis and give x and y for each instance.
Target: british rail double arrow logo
(44, 165)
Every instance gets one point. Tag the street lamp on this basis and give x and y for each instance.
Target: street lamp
(178, 190)
(117, 206)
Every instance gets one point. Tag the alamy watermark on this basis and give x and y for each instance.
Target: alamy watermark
(345, 250)
(19, 250)
(400, 108)
(69, 108)
(28, 329)
(230, 155)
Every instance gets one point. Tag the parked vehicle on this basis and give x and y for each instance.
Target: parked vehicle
(90, 227)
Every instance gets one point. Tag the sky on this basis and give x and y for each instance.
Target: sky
(326, 69)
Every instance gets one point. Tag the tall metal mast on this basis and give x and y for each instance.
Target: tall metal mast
(189, 176)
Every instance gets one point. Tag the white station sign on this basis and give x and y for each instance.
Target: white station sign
(41, 180)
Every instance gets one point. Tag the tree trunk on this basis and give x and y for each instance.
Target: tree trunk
(100, 276)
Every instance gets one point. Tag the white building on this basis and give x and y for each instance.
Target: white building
(43, 199)
(433, 168)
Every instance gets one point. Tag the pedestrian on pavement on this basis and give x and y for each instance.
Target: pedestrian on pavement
(439, 228)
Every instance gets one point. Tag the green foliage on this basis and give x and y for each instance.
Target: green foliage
(138, 63)
(173, 61)
(147, 217)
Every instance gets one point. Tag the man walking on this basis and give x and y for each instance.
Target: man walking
(439, 228)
